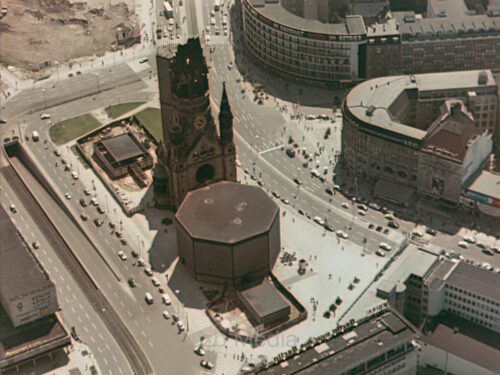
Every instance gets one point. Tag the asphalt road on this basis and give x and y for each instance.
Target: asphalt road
(77, 309)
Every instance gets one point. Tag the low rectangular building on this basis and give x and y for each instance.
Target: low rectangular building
(264, 304)
(454, 345)
(379, 344)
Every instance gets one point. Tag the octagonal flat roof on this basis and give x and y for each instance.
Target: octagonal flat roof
(227, 212)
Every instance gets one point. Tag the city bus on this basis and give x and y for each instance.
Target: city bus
(217, 5)
(169, 11)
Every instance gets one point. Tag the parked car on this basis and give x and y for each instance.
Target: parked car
(13, 208)
(166, 299)
(83, 202)
(35, 245)
(98, 222)
(122, 255)
(380, 253)
(385, 246)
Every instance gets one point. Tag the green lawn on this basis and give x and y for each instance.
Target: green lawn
(151, 118)
(75, 127)
(115, 111)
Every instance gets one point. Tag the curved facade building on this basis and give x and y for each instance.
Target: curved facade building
(429, 132)
(304, 49)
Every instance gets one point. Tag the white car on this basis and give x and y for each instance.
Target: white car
(345, 205)
(200, 351)
(44, 116)
(67, 195)
(318, 220)
(166, 299)
(342, 234)
(122, 255)
(94, 201)
(180, 325)
(155, 281)
(315, 173)
(166, 314)
(463, 244)
(469, 239)
(385, 246)
(361, 212)
(389, 217)
(380, 253)
(143, 60)
(311, 117)
(417, 233)
(74, 175)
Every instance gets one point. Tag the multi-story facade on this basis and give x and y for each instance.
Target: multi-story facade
(388, 132)
(303, 41)
(464, 290)
(193, 153)
(304, 49)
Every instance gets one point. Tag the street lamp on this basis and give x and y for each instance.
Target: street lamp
(44, 98)
(98, 83)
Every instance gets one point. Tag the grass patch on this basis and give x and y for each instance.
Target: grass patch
(117, 110)
(75, 127)
(151, 118)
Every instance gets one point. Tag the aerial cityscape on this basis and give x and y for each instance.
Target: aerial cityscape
(250, 187)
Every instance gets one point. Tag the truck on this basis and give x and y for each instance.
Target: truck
(168, 10)
(35, 136)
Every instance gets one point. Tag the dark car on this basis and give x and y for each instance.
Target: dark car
(371, 226)
(393, 224)
(135, 254)
(329, 227)
(290, 152)
(132, 282)
(329, 191)
(297, 180)
(83, 202)
(431, 231)
(98, 222)
(379, 228)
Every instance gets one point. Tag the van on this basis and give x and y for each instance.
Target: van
(149, 298)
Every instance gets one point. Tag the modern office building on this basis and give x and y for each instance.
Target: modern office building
(194, 152)
(428, 133)
(228, 234)
(29, 327)
(331, 43)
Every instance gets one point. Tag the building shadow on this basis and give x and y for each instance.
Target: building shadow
(190, 291)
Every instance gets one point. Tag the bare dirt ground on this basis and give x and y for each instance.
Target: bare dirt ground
(34, 31)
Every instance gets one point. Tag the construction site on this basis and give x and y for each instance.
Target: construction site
(32, 32)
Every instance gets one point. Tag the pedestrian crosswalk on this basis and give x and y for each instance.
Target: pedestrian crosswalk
(213, 40)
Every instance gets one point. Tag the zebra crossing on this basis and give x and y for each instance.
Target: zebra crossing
(212, 40)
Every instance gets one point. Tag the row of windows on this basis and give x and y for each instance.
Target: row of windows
(472, 319)
(470, 302)
(469, 309)
(470, 294)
